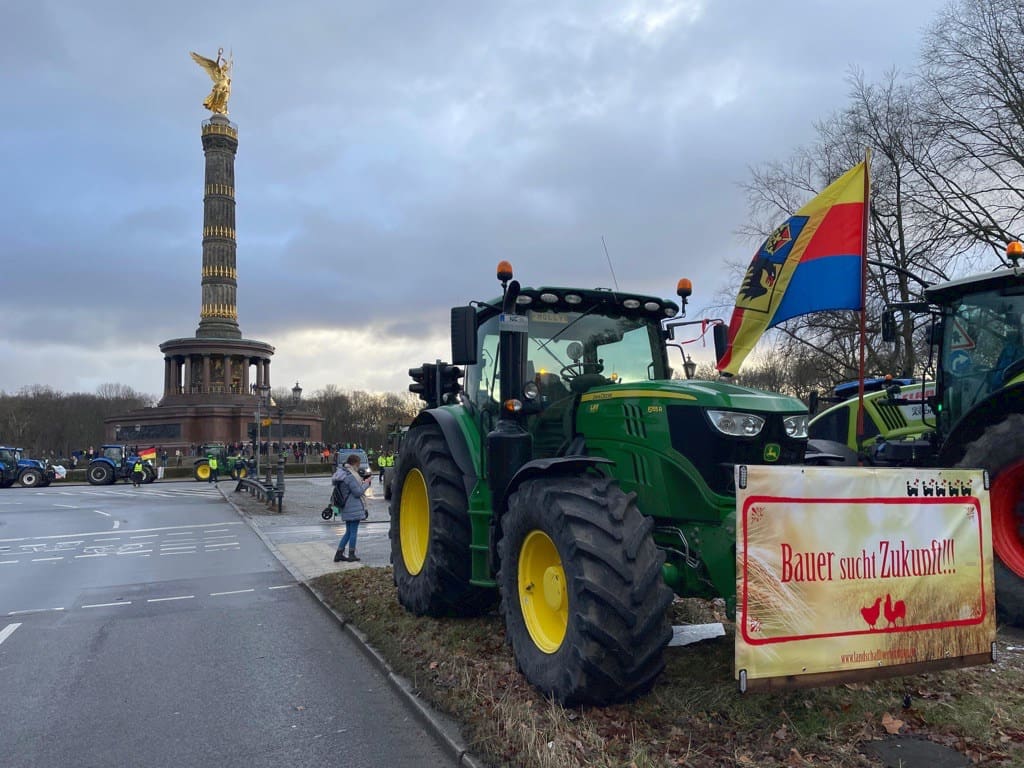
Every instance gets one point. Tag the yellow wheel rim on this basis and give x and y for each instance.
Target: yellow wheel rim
(242, 472)
(414, 521)
(543, 597)
(203, 471)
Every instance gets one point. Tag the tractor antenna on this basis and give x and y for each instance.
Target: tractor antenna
(607, 256)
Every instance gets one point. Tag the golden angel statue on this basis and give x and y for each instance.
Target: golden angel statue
(220, 72)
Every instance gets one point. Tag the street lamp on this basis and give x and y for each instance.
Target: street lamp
(296, 398)
(689, 367)
(260, 391)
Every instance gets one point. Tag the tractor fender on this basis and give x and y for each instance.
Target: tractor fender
(103, 460)
(559, 465)
(973, 423)
(456, 442)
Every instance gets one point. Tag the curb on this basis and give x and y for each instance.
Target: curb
(444, 730)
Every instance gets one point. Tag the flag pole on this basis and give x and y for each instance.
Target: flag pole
(863, 297)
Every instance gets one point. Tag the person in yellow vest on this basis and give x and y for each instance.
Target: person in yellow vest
(138, 473)
(212, 460)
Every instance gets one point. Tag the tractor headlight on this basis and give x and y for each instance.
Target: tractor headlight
(796, 426)
(736, 424)
(530, 390)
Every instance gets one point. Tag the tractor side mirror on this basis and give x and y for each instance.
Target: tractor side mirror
(463, 336)
(889, 326)
(721, 336)
(935, 333)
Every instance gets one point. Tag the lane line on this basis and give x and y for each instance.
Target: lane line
(33, 610)
(165, 599)
(232, 592)
(99, 554)
(109, 538)
(145, 536)
(227, 536)
(7, 562)
(98, 512)
(222, 544)
(8, 631)
(106, 605)
(117, 524)
(283, 586)
(44, 559)
(137, 530)
(66, 506)
(220, 530)
(181, 552)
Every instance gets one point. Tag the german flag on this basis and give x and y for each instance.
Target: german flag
(148, 454)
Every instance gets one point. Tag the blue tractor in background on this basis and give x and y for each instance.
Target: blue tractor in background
(17, 468)
(114, 463)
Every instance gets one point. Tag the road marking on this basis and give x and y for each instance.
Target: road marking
(283, 586)
(7, 562)
(117, 524)
(186, 533)
(109, 538)
(105, 514)
(222, 544)
(137, 530)
(228, 536)
(33, 610)
(135, 552)
(219, 530)
(8, 631)
(106, 605)
(98, 554)
(145, 536)
(180, 552)
(165, 599)
(232, 592)
(44, 559)
(66, 506)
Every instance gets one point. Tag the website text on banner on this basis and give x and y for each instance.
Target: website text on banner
(843, 570)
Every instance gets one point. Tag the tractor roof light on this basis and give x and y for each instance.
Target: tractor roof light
(684, 288)
(573, 298)
(523, 299)
(504, 271)
(652, 306)
(1014, 250)
(631, 304)
(549, 298)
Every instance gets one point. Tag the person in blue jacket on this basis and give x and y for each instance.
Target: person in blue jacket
(351, 488)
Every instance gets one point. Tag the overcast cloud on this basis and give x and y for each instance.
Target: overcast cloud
(390, 153)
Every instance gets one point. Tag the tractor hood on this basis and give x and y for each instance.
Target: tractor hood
(704, 394)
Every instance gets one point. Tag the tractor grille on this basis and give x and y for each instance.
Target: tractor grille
(891, 416)
(714, 455)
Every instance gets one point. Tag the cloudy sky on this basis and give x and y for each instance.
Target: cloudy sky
(390, 153)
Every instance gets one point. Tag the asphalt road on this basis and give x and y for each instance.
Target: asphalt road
(152, 627)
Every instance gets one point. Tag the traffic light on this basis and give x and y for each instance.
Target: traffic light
(424, 383)
(449, 376)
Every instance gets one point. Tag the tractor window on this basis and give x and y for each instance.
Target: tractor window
(832, 425)
(982, 338)
(112, 452)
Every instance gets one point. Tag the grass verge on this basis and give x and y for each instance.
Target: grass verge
(694, 716)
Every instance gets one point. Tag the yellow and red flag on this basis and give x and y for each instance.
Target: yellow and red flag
(813, 262)
(148, 454)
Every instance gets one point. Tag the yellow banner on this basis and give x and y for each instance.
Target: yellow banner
(844, 569)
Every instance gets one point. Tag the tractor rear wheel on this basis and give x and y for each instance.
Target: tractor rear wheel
(239, 471)
(1000, 450)
(201, 471)
(31, 478)
(430, 531)
(585, 606)
(148, 474)
(100, 473)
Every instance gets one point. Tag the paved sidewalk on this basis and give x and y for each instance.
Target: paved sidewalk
(305, 543)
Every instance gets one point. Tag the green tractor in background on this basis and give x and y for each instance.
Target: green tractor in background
(574, 480)
(235, 467)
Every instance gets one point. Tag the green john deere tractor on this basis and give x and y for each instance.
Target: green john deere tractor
(571, 478)
(234, 467)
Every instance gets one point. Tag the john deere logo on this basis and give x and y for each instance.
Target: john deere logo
(772, 452)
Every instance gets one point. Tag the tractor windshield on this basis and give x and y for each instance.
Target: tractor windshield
(564, 346)
(981, 341)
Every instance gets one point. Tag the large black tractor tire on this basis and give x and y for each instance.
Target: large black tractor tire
(148, 474)
(30, 478)
(585, 606)
(430, 531)
(1000, 450)
(239, 471)
(100, 473)
(201, 472)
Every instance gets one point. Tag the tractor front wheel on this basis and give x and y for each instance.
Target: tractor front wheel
(201, 471)
(31, 478)
(100, 473)
(585, 606)
(1000, 450)
(430, 531)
